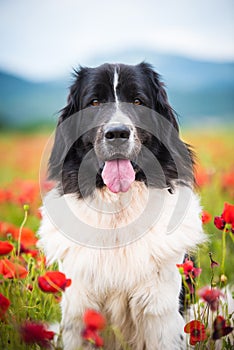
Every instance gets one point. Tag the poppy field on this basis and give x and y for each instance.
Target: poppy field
(30, 291)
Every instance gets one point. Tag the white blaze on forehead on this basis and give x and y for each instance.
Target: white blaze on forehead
(118, 117)
(115, 84)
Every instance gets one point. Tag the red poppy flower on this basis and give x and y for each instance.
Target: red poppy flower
(4, 305)
(33, 252)
(28, 237)
(228, 213)
(53, 282)
(5, 247)
(211, 296)
(11, 269)
(5, 195)
(7, 228)
(219, 222)
(206, 217)
(196, 330)
(93, 337)
(29, 287)
(29, 192)
(94, 320)
(228, 179)
(220, 328)
(189, 269)
(36, 333)
(202, 176)
(227, 217)
(228, 182)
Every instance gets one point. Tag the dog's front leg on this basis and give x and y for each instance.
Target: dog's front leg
(71, 334)
(73, 307)
(164, 332)
(154, 309)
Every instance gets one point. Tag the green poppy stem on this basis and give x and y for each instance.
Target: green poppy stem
(120, 338)
(26, 208)
(223, 251)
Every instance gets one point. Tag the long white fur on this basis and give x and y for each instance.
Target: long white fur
(135, 286)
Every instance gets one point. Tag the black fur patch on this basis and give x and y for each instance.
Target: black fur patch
(139, 81)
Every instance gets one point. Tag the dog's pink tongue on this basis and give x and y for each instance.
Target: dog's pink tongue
(118, 175)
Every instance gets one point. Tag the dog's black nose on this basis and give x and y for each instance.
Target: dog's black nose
(120, 131)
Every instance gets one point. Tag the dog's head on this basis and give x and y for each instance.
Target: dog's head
(118, 127)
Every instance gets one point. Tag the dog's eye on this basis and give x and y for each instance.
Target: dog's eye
(95, 102)
(137, 102)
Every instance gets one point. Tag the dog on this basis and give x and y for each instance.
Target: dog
(123, 212)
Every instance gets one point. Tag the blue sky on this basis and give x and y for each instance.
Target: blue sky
(44, 39)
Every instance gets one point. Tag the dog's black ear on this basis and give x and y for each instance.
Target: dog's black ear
(73, 99)
(59, 149)
(175, 156)
(180, 152)
(162, 105)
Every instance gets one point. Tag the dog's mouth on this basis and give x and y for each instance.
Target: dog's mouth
(118, 175)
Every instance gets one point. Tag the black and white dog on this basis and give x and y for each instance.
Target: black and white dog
(123, 213)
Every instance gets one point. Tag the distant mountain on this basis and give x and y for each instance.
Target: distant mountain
(197, 89)
(24, 102)
(177, 71)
